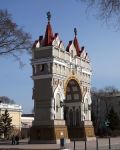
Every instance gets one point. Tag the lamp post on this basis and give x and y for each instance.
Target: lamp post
(62, 139)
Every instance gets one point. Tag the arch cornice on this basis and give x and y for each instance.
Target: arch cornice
(72, 77)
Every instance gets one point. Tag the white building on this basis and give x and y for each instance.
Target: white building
(26, 120)
(14, 111)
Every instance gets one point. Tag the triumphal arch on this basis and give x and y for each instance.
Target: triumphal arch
(61, 91)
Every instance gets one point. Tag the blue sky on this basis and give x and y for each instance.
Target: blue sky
(101, 41)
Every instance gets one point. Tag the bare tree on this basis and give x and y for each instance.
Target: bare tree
(109, 10)
(7, 100)
(13, 40)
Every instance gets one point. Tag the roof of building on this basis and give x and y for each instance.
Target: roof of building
(12, 107)
(27, 115)
(49, 37)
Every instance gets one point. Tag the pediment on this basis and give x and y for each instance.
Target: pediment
(84, 55)
(56, 41)
(38, 44)
(72, 50)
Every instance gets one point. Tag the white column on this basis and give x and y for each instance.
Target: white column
(82, 112)
(52, 111)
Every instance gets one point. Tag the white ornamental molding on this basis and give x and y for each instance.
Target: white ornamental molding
(59, 90)
(87, 97)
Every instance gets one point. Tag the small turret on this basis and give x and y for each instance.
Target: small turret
(76, 43)
(48, 34)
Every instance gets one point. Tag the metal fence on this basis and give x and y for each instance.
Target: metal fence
(107, 143)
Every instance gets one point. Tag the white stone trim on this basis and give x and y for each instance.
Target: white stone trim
(59, 62)
(62, 77)
(10, 107)
(27, 118)
(87, 72)
(49, 60)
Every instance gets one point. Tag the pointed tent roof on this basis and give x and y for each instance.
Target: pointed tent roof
(48, 34)
(76, 43)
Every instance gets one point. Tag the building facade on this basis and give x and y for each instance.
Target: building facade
(14, 111)
(61, 91)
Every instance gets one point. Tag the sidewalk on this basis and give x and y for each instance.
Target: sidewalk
(23, 145)
(103, 144)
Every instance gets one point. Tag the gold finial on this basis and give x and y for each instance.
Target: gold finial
(48, 16)
(75, 31)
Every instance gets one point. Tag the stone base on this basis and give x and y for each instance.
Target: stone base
(76, 133)
(90, 138)
(48, 134)
(53, 132)
(89, 131)
(81, 132)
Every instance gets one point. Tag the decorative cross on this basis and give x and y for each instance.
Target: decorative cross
(75, 31)
(48, 16)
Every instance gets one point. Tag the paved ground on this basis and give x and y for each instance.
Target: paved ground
(103, 144)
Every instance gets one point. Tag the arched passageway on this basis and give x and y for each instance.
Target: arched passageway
(72, 110)
(73, 97)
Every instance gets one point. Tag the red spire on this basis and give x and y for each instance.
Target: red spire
(76, 43)
(48, 34)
